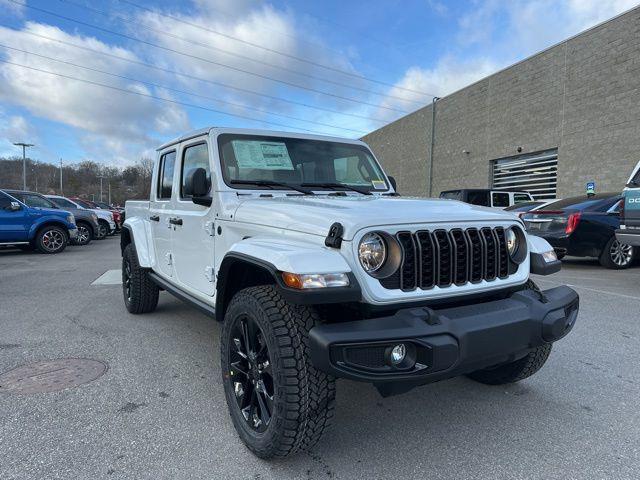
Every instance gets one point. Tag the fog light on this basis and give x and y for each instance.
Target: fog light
(398, 353)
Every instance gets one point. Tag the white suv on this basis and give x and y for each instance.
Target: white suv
(300, 245)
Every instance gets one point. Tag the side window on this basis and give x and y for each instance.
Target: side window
(165, 175)
(520, 198)
(5, 202)
(480, 198)
(195, 156)
(500, 199)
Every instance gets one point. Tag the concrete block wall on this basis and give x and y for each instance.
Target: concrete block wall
(581, 96)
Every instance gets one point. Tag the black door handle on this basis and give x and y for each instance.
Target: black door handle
(155, 218)
(175, 221)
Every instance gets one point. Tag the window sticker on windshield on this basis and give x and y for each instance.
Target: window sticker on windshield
(379, 184)
(262, 155)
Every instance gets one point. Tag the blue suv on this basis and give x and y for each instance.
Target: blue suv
(43, 228)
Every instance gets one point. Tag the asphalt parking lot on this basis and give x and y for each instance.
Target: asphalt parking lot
(159, 410)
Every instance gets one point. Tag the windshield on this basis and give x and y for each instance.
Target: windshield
(63, 202)
(34, 201)
(82, 203)
(452, 195)
(295, 161)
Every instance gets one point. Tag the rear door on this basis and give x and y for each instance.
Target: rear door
(193, 241)
(13, 223)
(161, 211)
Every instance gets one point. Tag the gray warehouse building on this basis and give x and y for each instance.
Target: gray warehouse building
(548, 124)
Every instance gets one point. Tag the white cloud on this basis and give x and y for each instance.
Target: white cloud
(523, 27)
(14, 128)
(253, 23)
(121, 122)
(505, 31)
(446, 77)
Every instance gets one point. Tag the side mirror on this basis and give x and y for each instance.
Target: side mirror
(392, 180)
(14, 207)
(197, 186)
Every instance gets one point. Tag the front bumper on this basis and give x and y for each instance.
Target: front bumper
(444, 343)
(629, 236)
(73, 233)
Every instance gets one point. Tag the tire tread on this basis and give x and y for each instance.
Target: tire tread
(144, 292)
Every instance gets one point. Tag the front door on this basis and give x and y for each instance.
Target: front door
(194, 227)
(161, 211)
(13, 223)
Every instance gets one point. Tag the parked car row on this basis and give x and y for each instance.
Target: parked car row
(29, 220)
(581, 226)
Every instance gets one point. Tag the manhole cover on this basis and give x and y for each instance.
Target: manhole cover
(51, 375)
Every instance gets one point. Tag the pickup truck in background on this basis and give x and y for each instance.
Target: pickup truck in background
(629, 231)
(486, 197)
(318, 270)
(106, 223)
(48, 230)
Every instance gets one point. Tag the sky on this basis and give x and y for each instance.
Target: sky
(109, 81)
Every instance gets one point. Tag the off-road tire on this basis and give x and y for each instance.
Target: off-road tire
(51, 230)
(606, 257)
(515, 371)
(143, 293)
(304, 397)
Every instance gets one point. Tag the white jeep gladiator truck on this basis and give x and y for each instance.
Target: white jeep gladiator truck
(319, 270)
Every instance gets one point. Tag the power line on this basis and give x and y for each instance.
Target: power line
(155, 97)
(200, 79)
(262, 47)
(124, 77)
(125, 19)
(259, 75)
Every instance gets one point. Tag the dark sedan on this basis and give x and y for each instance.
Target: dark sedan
(583, 227)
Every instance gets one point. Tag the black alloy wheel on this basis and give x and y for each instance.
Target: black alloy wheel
(251, 373)
(278, 401)
(126, 279)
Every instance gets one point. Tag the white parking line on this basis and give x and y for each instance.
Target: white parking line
(110, 277)
(622, 295)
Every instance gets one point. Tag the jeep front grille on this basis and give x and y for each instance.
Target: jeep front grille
(449, 257)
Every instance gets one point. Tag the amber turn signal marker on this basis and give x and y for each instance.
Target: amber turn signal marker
(292, 280)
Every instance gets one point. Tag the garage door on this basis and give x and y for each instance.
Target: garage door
(534, 173)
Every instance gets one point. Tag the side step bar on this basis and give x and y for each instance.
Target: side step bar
(185, 297)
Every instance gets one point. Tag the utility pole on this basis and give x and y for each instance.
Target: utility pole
(24, 161)
(100, 177)
(61, 191)
(109, 193)
(433, 144)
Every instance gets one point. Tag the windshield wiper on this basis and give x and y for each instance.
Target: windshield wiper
(337, 185)
(271, 184)
(632, 183)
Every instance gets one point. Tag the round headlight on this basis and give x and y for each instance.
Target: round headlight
(372, 252)
(512, 241)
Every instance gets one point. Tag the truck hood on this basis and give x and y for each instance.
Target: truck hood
(316, 214)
